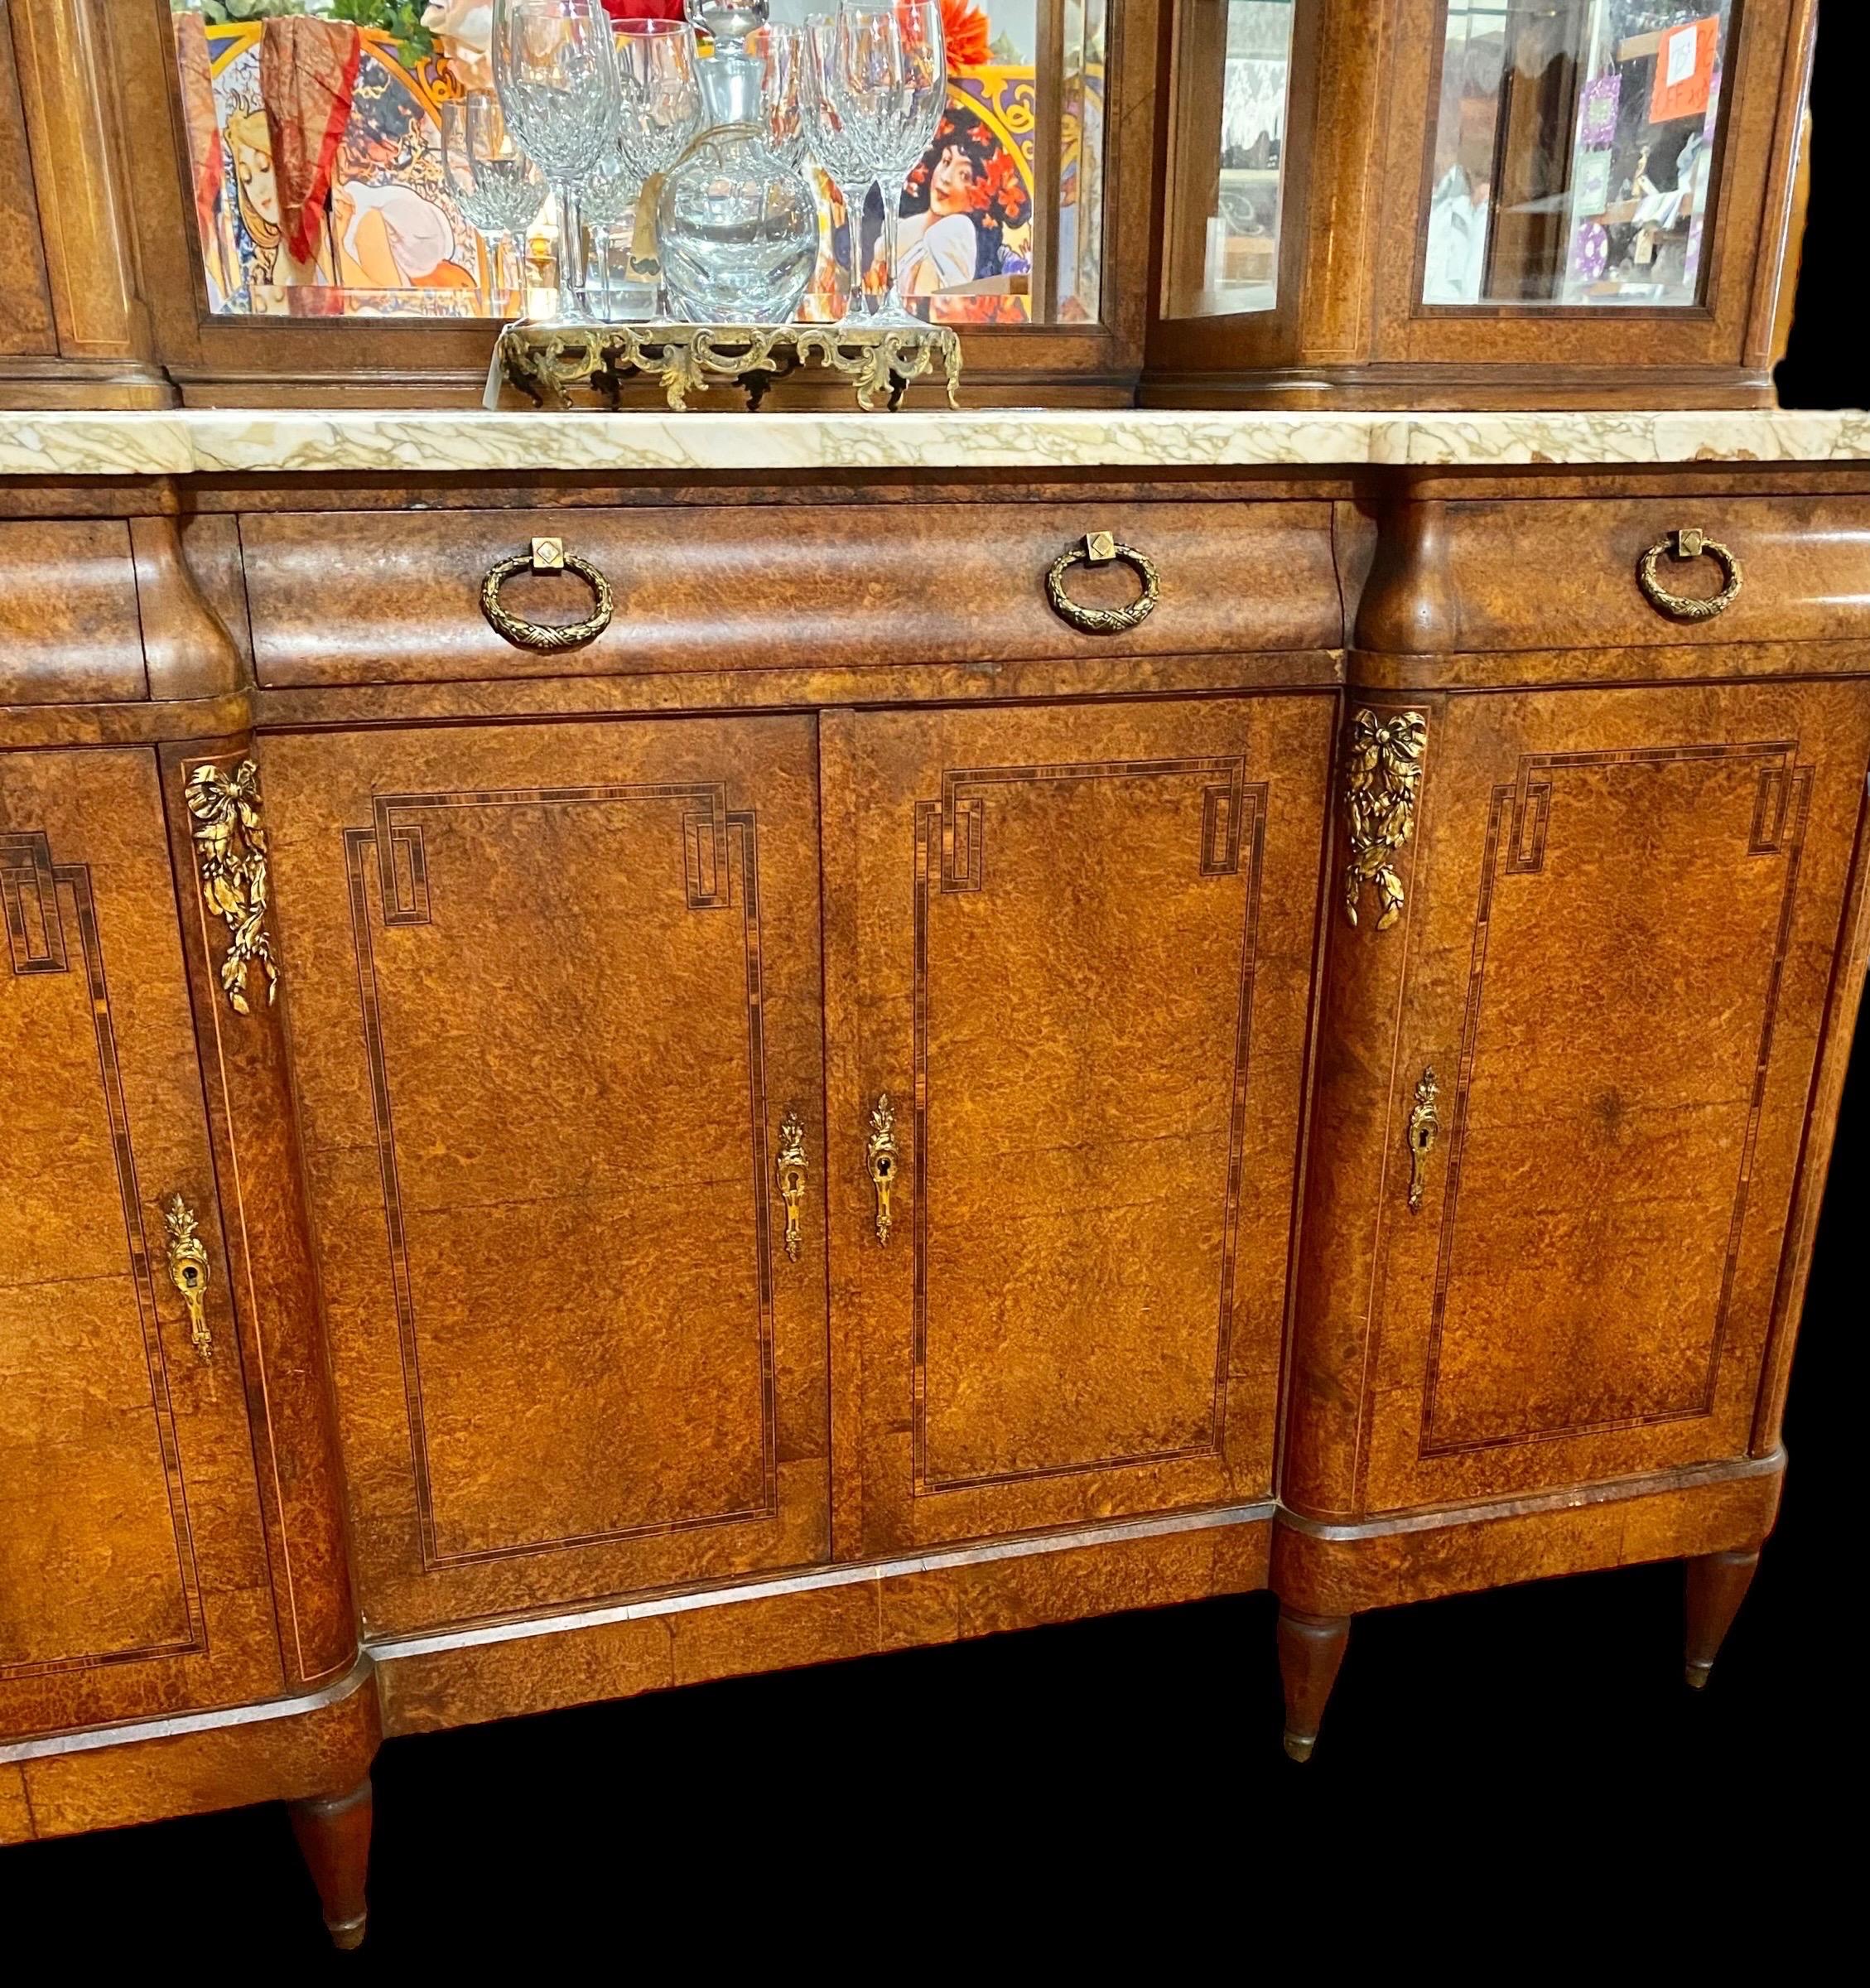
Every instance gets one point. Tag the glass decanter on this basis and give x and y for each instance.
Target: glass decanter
(737, 227)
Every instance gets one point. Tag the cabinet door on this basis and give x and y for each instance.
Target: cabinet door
(553, 992)
(133, 1564)
(1621, 928)
(1083, 964)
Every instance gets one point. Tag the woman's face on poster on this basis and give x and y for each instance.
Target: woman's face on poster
(252, 163)
(951, 184)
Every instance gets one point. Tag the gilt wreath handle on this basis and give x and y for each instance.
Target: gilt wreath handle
(1101, 548)
(1690, 544)
(546, 556)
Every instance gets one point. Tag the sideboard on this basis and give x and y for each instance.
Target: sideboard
(637, 1049)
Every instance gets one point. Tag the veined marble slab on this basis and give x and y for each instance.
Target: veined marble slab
(232, 440)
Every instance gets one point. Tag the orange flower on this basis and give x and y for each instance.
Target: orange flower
(965, 30)
(1000, 186)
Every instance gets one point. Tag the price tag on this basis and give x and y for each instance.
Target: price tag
(1678, 61)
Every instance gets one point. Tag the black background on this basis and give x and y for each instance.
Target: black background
(1529, 1757)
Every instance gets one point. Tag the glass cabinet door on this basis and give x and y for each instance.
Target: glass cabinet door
(1233, 64)
(325, 140)
(1572, 157)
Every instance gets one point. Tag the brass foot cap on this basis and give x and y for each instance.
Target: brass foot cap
(347, 1935)
(1299, 1745)
(1696, 1675)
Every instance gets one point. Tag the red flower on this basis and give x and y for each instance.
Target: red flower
(1000, 186)
(621, 11)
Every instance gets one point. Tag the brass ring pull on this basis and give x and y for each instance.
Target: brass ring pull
(547, 555)
(188, 1271)
(791, 1176)
(1100, 548)
(1686, 607)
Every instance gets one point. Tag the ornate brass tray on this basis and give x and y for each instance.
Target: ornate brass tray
(559, 366)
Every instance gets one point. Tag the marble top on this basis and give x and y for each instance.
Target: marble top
(422, 441)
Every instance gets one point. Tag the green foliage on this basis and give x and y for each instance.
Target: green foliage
(231, 13)
(402, 19)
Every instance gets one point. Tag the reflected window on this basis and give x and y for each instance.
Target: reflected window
(1574, 147)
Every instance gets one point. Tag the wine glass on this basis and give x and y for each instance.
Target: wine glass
(661, 93)
(497, 187)
(557, 79)
(837, 143)
(781, 55)
(892, 72)
(607, 203)
(922, 84)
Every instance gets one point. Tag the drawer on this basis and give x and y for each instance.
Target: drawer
(395, 597)
(1453, 578)
(69, 632)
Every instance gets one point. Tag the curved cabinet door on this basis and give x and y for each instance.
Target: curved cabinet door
(1083, 965)
(133, 1564)
(1617, 953)
(553, 993)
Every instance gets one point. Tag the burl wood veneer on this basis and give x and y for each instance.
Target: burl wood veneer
(1352, 1060)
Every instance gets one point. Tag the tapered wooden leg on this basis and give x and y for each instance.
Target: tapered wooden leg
(1717, 1586)
(1311, 1648)
(333, 1834)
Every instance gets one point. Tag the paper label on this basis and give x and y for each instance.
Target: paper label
(1591, 190)
(1679, 54)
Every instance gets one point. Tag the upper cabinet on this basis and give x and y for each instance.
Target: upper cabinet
(1476, 203)
(290, 181)
(1374, 203)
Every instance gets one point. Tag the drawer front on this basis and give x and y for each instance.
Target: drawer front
(1538, 574)
(133, 1567)
(69, 631)
(554, 997)
(395, 596)
(1084, 941)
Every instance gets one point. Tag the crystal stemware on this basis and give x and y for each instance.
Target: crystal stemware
(892, 72)
(780, 49)
(557, 79)
(837, 144)
(495, 185)
(661, 92)
(607, 203)
(660, 98)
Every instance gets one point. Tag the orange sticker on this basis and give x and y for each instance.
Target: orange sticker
(1684, 69)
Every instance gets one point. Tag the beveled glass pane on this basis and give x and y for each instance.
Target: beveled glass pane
(1572, 151)
(1001, 222)
(1233, 63)
(318, 182)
